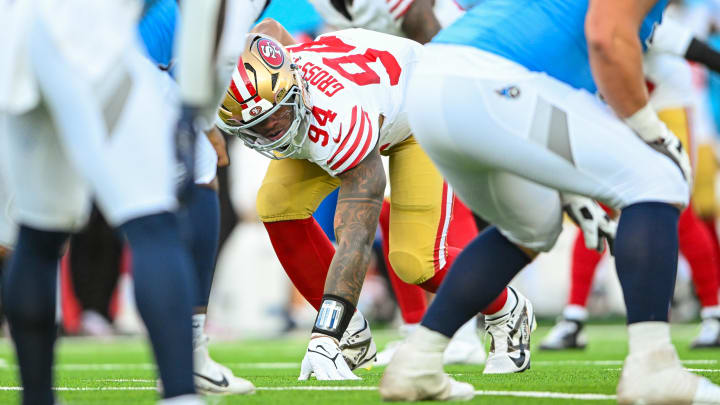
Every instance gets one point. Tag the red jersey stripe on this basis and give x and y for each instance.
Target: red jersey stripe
(355, 144)
(368, 140)
(347, 137)
(394, 6)
(402, 13)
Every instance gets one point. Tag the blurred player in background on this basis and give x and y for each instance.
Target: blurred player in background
(503, 105)
(91, 124)
(201, 211)
(83, 112)
(670, 84)
(355, 117)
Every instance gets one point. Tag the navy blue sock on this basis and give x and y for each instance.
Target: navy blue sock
(478, 275)
(29, 288)
(646, 254)
(164, 288)
(203, 210)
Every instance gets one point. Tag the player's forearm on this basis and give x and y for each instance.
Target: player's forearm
(615, 54)
(420, 23)
(619, 76)
(356, 219)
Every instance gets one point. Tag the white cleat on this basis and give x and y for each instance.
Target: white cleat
(357, 344)
(465, 347)
(510, 334)
(416, 372)
(657, 377)
(709, 335)
(566, 334)
(214, 378)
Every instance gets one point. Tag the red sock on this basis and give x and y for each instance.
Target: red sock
(696, 244)
(410, 298)
(712, 229)
(305, 253)
(582, 270)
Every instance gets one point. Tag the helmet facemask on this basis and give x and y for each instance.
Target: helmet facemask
(286, 145)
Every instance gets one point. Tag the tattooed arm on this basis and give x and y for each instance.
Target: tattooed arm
(420, 22)
(356, 219)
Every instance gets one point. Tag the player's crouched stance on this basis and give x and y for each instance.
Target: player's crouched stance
(332, 106)
(543, 133)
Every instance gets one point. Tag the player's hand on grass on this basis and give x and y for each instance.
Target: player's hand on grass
(597, 227)
(324, 360)
(217, 140)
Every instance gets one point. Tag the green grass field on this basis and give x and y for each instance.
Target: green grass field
(120, 371)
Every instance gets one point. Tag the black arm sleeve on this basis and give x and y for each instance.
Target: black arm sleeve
(699, 51)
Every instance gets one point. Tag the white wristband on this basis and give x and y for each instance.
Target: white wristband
(646, 124)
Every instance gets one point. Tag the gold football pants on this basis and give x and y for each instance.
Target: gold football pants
(420, 205)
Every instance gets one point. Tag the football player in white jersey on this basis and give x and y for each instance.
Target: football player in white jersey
(84, 114)
(333, 106)
(202, 210)
(82, 109)
(513, 123)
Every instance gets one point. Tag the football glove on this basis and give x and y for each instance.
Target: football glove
(656, 134)
(324, 359)
(597, 227)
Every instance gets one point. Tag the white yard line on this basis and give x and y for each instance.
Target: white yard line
(525, 394)
(290, 365)
(88, 388)
(151, 366)
(604, 362)
(705, 370)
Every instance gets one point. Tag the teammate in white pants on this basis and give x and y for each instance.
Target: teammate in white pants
(504, 106)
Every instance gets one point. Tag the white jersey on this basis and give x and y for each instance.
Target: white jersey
(354, 76)
(91, 36)
(379, 15)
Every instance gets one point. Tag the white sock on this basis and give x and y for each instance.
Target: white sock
(512, 300)
(198, 327)
(710, 312)
(575, 313)
(646, 336)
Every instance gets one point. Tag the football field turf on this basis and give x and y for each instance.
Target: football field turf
(120, 371)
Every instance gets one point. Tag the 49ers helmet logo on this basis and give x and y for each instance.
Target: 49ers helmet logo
(271, 53)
